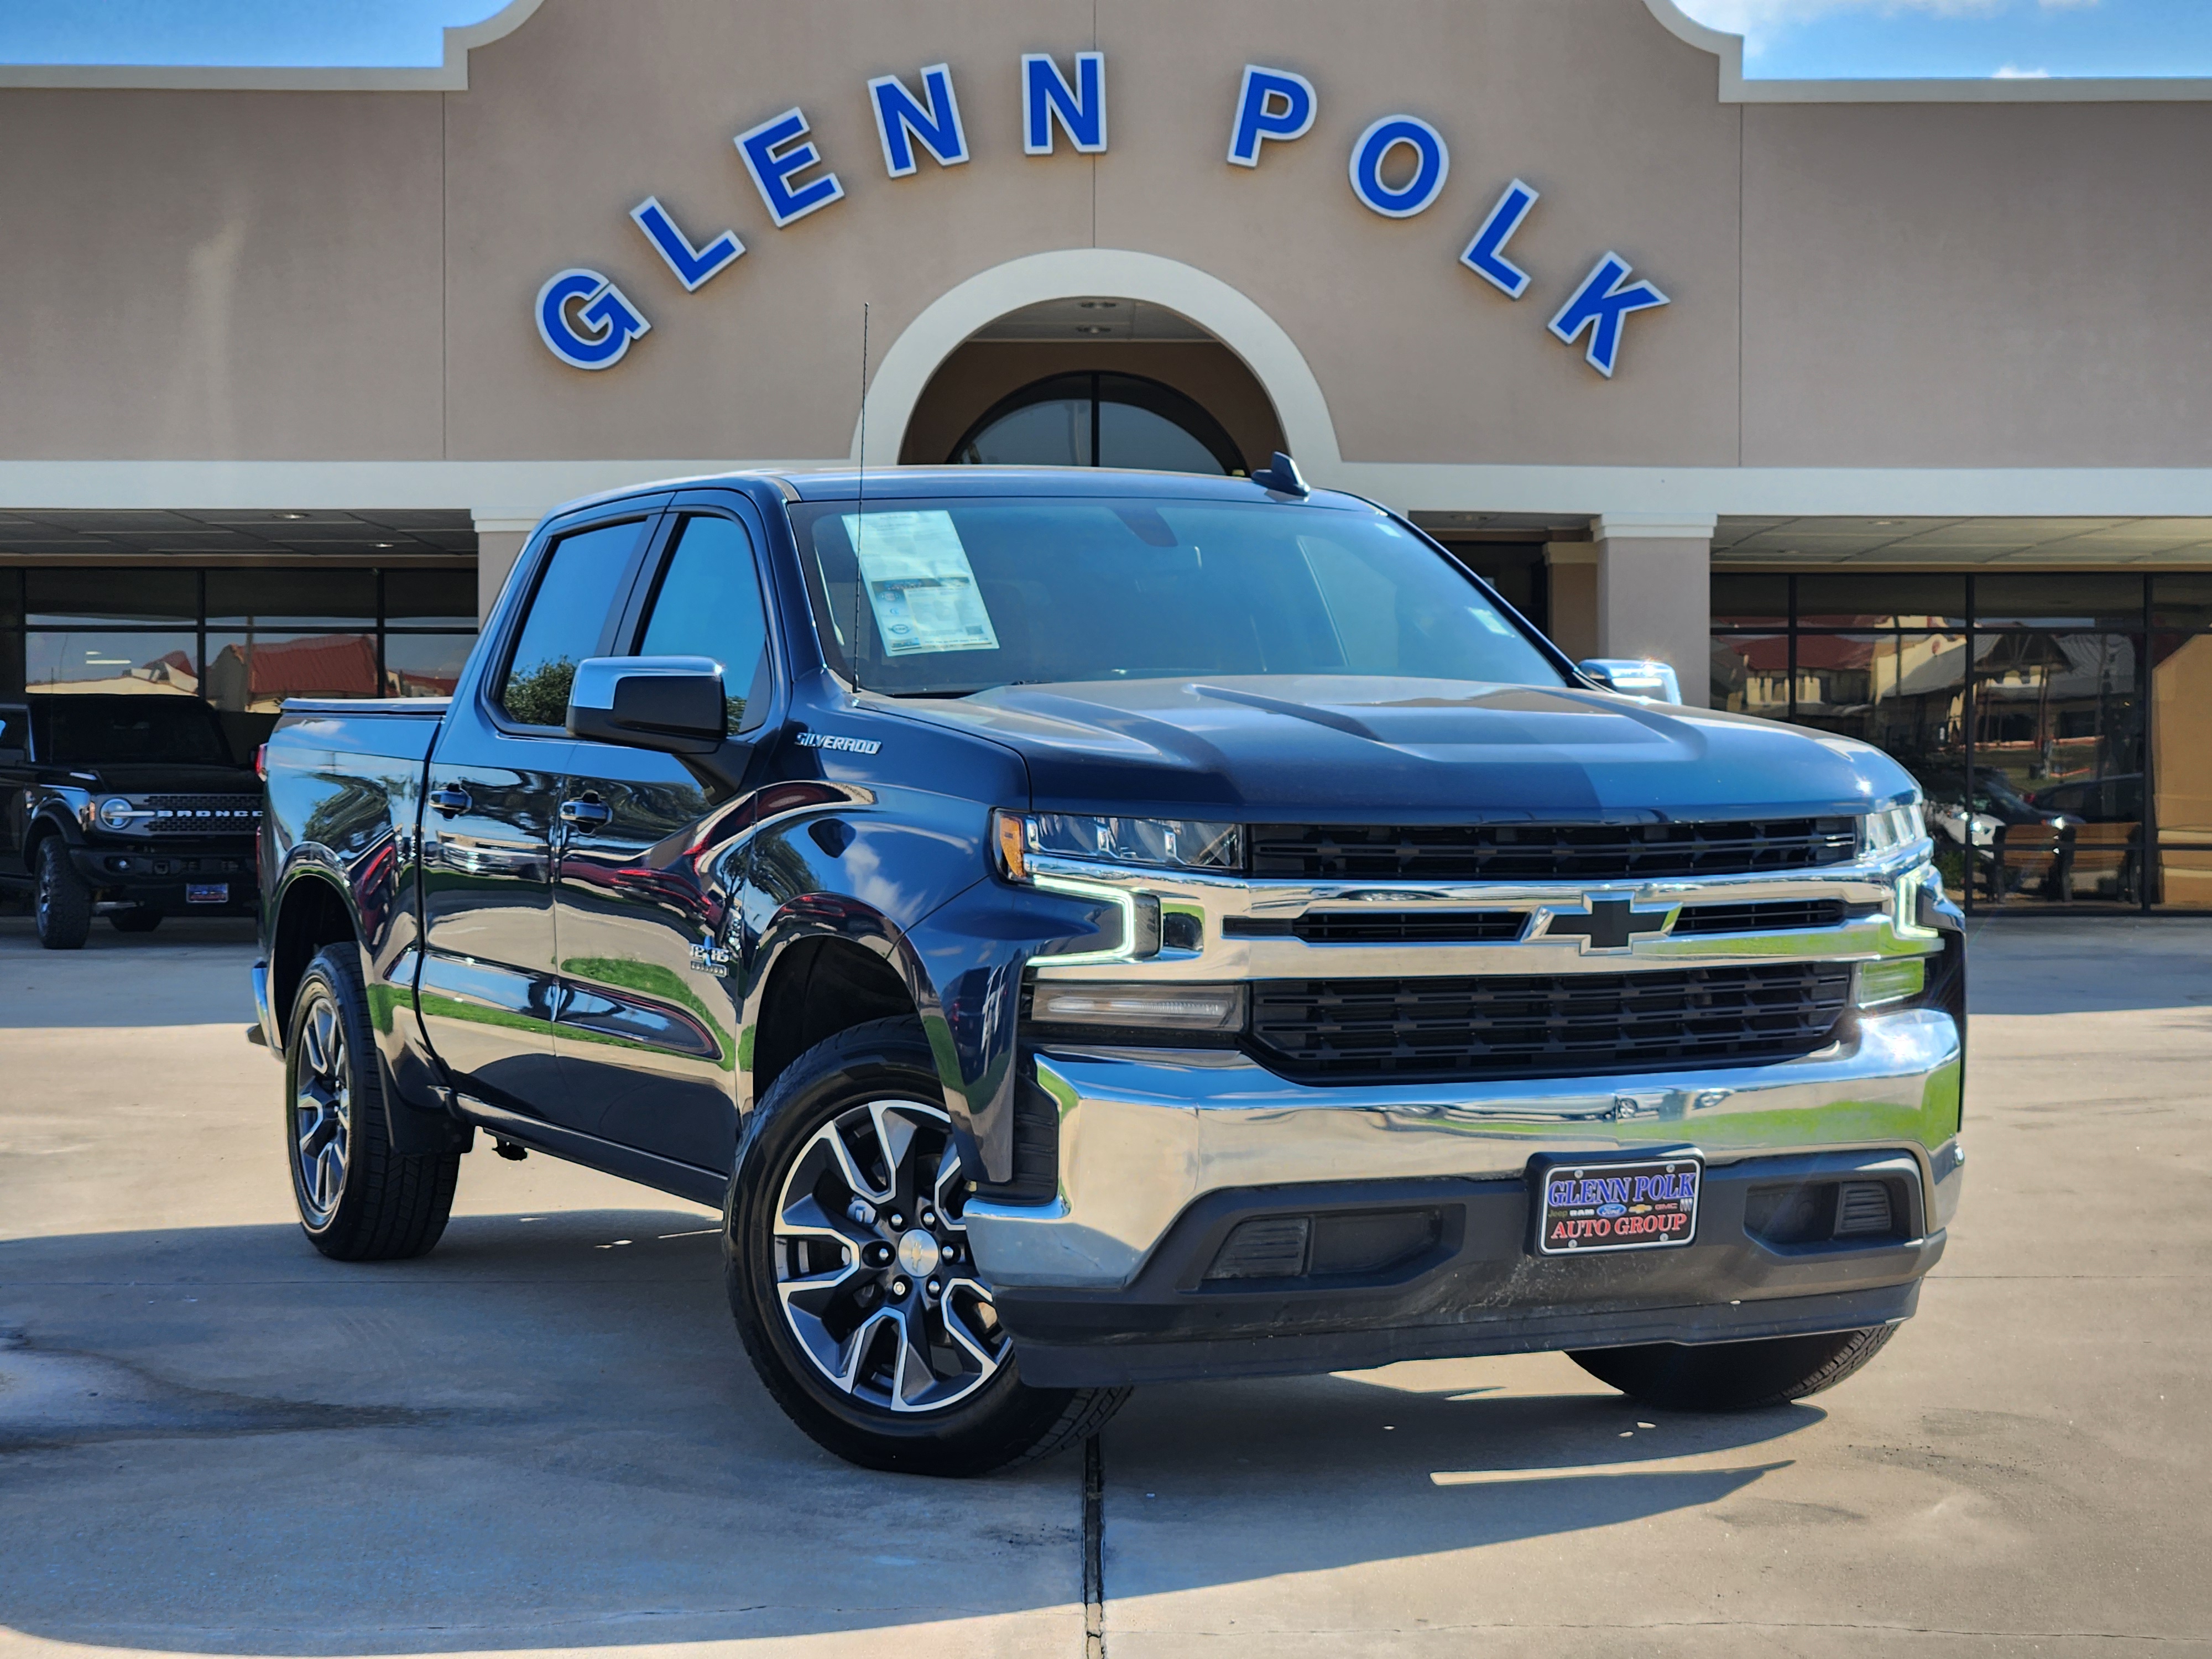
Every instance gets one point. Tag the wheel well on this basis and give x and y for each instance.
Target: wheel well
(41, 829)
(821, 987)
(313, 914)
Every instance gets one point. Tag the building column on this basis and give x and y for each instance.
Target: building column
(500, 540)
(1654, 594)
(1570, 568)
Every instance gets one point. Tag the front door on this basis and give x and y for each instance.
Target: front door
(646, 1035)
(490, 986)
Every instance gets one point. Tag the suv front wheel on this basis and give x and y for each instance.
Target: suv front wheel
(851, 1278)
(62, 904)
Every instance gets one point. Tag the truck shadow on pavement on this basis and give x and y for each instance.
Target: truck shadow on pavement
(546, 1434)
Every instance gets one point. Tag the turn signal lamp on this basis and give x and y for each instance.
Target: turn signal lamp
(1881, 984)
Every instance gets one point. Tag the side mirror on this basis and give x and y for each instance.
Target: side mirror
(1635, 677)
(671, 705)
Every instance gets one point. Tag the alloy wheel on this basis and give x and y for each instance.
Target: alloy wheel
(872, 1266)
(322, 1110)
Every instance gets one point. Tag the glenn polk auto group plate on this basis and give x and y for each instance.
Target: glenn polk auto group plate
(1650, 1204)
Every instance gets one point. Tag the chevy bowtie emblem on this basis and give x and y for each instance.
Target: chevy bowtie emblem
(1608, 923)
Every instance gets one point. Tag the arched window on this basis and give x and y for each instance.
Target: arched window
(1088, 419)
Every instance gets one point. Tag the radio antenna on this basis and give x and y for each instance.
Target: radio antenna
(860, 508)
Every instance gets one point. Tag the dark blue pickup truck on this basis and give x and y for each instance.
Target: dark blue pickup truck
(1086, 927)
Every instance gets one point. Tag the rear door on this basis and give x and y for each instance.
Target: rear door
(15, 775)
(490, 986)
(648, 1033)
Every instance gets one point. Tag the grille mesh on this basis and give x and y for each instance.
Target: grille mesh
(1384, 927)
(202, 815)
(1545, 1025)
(1772, 916)
(1538, 852)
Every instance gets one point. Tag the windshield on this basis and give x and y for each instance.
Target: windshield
(83, 731)
(960, 595)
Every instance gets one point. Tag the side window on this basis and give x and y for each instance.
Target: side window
(710, 606)
(580, 587)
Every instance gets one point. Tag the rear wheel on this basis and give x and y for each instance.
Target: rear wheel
(851, 1278)
(143, 919)
(61, 902)
(1734, 1377)
(359, 1200)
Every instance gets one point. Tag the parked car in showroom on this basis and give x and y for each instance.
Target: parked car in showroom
(1086, 927)
(128, 806)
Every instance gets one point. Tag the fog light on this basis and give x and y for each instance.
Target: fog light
(1884, 982)
(1170, 1007)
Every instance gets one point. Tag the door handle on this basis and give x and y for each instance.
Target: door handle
(450, 798)
(586, 810)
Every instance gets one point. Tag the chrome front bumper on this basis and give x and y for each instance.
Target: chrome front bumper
(1143, 1133)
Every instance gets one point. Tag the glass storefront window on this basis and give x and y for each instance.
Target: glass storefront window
(430, 598)
(1880, 599)
(2066, 754)
(424, 664)
(253, 673)
(87, 660)
(1751, 674)
(259, 599)
(97, 596)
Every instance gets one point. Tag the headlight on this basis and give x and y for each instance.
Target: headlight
(1155, 1007)
(1893, 826)
(1153, 843)
(117, 813)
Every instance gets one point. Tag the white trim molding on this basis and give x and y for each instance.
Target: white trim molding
(450, 75)
(1080, 273)
(1736, 88)
(1654, 527)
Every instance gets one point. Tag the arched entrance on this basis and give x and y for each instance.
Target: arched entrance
(920, 368)
(1099, 380)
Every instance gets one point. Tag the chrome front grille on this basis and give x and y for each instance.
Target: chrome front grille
(1361, 1030)
(200, 815)
(1548, 852)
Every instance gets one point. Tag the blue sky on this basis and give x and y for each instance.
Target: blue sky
(1786, 38)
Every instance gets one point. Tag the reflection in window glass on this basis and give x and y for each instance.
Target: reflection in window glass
(568, 614)
(89, 661)
(257, 599)
(253, 673)
(64, 599)
(2181, 763)
(1147, 441)
(710, 606)
(11, 597)
(1751, 674)
(92, 731)
(1099, 420)
(424, 664)
(2182, 601)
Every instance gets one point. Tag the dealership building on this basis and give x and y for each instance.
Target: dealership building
(1881, 407)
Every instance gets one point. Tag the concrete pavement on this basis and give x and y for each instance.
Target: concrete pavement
(544, 1436)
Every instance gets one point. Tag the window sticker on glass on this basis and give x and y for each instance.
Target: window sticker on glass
(920, 583)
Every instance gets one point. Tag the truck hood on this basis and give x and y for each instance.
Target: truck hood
(153, 778)
(1335, 748)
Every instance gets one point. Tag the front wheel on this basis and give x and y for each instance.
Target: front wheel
(851, 1278)
(62, 904)
(1734, 1377)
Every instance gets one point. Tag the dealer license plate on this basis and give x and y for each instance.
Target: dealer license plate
(1650, 1204)
(207, 892)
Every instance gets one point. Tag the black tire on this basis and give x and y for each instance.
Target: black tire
(143, 919)
(60, 902)
(1734, 1377)
(1000, 1420)
(367, 1203)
